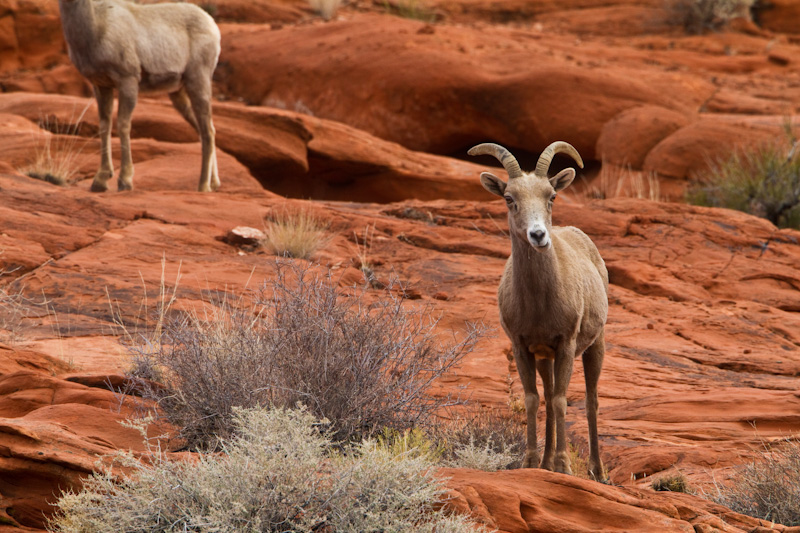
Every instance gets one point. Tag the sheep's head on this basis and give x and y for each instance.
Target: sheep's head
(529, 196)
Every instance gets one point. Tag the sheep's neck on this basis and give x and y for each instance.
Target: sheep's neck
(80, 24)
(535, 273)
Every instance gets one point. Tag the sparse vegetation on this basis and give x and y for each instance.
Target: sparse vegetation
(760, 181)
(210, 8)
(295, 233)
(410, 9)
(362, 255)
(58, 146)
(359, 359)
(483, 439)
(697, 16)
(13, 308)
(280, 473)
(623, 182)
(768, 487)
(326, 8)
(675, 482)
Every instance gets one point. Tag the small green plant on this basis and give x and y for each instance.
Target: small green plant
(760, 181)
(58, 146)
(768, 487)
(410, 441)
(295, 233)
(697, 16)
(676, 482)
(279, 474)
(410, 9)
(210, 8)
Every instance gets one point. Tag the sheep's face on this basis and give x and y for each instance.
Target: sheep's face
(530, 204)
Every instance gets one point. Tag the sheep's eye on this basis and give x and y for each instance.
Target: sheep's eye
(553, 198)
(509, 200)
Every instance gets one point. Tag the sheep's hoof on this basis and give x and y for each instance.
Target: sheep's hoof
(562, 464)
(124, 186)
(531, 460)
(98, 186)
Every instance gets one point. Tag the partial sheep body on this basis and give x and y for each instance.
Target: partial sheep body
(172, 47)
(553, 300)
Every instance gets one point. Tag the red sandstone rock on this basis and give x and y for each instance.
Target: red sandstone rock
(468, 86)
(703, 335)
(288, 153)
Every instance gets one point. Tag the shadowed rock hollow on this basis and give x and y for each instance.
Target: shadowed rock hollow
(703, 337)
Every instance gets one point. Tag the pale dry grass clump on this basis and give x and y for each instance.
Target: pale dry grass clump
(326, 8)
(279, 474)
(295, 233)
(768, 487)
(57, 149)
(360, 359)
(623, 182)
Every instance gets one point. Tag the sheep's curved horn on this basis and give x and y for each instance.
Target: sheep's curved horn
(543, 165)
(504, 156)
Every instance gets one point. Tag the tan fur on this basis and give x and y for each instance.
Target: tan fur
(172, 47)
(553, 306)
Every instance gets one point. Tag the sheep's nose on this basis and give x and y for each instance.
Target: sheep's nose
(536, 235)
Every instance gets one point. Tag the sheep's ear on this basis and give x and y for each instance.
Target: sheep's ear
(562, 180)
(493, 184)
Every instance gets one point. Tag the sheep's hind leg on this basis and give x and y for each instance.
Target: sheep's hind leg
(563, 372)
(128, 93)
(527, 375)
(545, 367)
(105, 108)
(592, 365)
(181, 102)
(199, 93)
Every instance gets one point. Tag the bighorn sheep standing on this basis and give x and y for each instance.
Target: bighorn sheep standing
(553, 300)
(160, 47)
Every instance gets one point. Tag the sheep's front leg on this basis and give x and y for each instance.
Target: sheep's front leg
(128, 93)
(105, 108)
(545, 367)
(562, 366)
(527, 375)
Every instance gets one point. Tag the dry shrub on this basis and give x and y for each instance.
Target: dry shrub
(358, 358)
(58, 146)
(295, 233)
(278, 474)
(483, 439)
(676, 482)
(761, 181)
(768, 487)
(697, 16)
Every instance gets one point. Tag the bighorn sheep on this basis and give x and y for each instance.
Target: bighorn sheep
(553, 300)
(161, 47)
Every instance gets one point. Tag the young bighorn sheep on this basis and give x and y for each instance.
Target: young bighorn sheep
(120, 45)
(553, 300)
